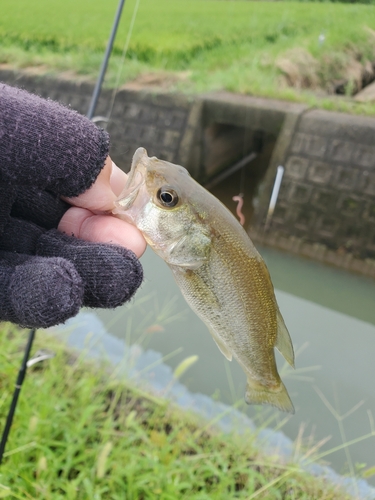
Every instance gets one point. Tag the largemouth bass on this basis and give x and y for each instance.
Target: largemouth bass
(220, 273)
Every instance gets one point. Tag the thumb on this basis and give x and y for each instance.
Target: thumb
(99, 197)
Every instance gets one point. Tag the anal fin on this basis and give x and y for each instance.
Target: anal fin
(283, 341)
(221, 345)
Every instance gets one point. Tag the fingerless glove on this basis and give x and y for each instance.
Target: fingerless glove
(48, 151)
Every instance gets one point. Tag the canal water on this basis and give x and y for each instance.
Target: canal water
(331, 318)
(330, 315)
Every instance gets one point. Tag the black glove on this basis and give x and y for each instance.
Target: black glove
(47, 150)
(46, 276)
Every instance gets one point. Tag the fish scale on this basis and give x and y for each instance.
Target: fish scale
(219, 271)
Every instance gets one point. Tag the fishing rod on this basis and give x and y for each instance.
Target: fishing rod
(26, 362)
(16, 393)
(40, 355)
(103, 69)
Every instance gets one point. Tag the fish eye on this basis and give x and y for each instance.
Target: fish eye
(167, 196)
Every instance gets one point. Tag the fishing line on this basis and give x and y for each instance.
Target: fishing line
(123, 56)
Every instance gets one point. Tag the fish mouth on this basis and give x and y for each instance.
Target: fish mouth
(136, 179)
(130, 192)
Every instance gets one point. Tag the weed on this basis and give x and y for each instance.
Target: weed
(80, 433)
(240, 46)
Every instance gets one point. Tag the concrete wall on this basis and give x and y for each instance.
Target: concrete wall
(232, 124)
(164, 124)
(326, 205)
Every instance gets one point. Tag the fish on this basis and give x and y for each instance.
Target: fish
(217, 268)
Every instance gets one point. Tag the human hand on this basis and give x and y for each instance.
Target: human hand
(48, 150)
(90, 216)
(45, 275)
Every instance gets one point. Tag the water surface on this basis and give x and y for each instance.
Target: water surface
(331, 318)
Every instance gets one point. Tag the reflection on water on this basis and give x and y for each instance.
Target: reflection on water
(335, 351)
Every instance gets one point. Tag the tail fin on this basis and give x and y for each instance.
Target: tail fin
(261, 395)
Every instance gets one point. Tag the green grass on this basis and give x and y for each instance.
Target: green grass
(79, 433)
(211, 44)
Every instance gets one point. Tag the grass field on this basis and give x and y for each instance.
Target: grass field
(80, 434)
(200, 45)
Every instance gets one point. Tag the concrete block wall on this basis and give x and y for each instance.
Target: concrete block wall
(326, 204)
(327, 195)
(164, 124)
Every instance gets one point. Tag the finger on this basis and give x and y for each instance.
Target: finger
(110, 274)
(38, 292)
(99, 197)
(83, 224)
(20, 236)
(41, 207)
(7, 197)
(118, 179)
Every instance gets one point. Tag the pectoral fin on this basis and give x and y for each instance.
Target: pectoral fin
(283, 341)
(221, 345)
(189, 252)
